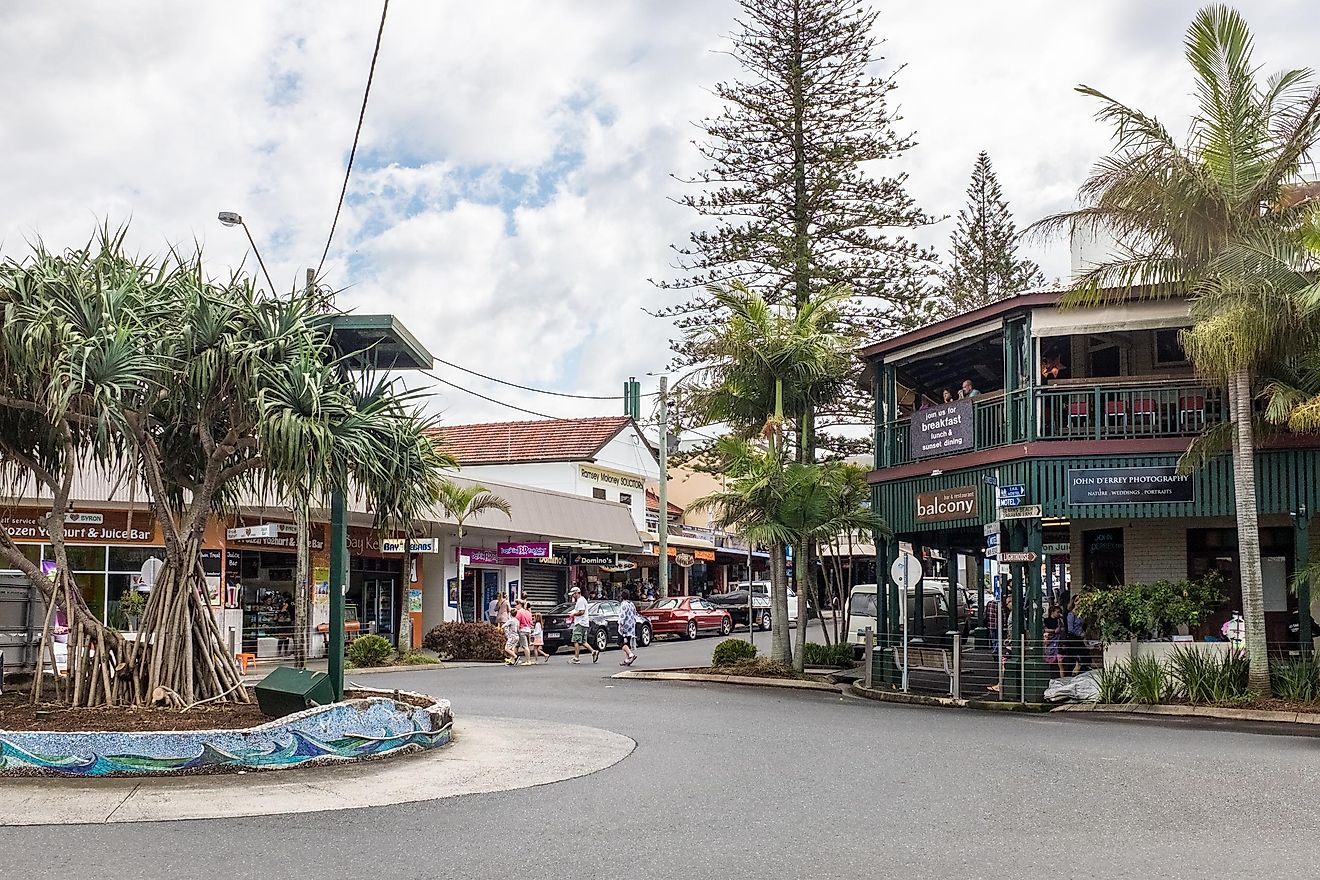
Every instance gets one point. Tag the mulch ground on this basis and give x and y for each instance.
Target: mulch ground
(17, 714)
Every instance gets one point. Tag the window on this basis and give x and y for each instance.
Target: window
(1168, 348)
(598, 494)
(625, 498)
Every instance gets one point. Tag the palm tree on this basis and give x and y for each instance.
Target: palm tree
(462, 503)
(1191, 219)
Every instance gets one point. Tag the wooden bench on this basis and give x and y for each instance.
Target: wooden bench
(926, 659)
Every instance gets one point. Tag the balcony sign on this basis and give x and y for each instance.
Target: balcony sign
(1132, 485)
(942, 430)
(947, 504)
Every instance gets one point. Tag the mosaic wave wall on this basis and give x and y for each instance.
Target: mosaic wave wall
(369, 725)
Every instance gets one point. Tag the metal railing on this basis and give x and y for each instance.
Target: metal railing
(1114, 410)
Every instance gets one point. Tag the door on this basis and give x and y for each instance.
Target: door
(708, 616)
(378, 607)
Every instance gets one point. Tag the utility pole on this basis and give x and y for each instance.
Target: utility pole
(662, 526)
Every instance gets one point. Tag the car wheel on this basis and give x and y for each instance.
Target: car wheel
(692, 630)
(602, 640)
(726, 625)
(644, 636)
(765, 622)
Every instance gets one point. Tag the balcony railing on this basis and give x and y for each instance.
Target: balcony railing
(1113, 410)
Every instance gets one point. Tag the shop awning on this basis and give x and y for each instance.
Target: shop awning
(679, 541)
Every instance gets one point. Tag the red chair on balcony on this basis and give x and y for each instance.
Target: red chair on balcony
(1191, 411)
(1079, 415)
(1116, 412)
(1145, 413)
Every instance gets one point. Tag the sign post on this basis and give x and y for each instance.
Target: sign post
(905, 572)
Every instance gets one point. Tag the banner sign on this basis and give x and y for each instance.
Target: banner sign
(593, 558)
(1132, 485)
(523, 549)
(942, 430)
(479, 556)
(252, 533)
(947, 504)
(108, 527)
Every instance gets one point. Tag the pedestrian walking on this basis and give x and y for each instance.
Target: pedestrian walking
(501, 609)
(538, 638)
(510, 627)
(581, 625)
(523, 617)
(493, 611)
(1054, 638)
(627, 628)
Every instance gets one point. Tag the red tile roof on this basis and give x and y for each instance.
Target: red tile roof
(653, 503)
(521, 442)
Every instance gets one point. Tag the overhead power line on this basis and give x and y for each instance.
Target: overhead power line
(362, 114)
(538, 390)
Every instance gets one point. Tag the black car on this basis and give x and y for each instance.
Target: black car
(736, 604)
(602, 628)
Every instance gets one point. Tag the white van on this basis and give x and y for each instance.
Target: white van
(762, 588)
(863, 605)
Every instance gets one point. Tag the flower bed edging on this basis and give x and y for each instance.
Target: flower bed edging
(371, 724)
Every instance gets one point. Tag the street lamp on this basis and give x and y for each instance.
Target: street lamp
(229, 218)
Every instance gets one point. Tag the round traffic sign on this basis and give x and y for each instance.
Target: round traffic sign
(906, 571)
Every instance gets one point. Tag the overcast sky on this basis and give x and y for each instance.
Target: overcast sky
(511, 196)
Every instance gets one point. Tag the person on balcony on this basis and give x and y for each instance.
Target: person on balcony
(968, 390)
(948, 395)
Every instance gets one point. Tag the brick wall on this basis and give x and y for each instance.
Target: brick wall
(1152, 549)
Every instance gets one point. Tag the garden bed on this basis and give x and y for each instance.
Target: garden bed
(17, 714)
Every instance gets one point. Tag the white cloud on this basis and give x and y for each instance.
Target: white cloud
(514, 192)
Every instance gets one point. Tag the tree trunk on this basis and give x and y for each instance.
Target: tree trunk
(405, 615)
(780, 649)
(799, 570)
(1244, 490)
(302, 594)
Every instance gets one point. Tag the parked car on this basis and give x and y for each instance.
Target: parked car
(736, 604)
(763, 588)
(863, 612)
(687, 616)
(602, 627)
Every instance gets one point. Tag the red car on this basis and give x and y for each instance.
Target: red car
(687, 616)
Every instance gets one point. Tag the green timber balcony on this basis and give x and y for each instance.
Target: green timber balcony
(1112, 409)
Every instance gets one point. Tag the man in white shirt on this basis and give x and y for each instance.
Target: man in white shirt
(581, 626)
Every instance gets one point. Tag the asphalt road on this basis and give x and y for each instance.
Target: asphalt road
(741, 782)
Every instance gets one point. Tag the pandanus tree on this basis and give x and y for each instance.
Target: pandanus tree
(193, 392)
(1191, 218)
(764, 361)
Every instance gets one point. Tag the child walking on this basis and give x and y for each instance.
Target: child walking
(538, 639)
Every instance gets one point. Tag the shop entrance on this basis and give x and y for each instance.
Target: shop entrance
(373, 595)
(482, 583)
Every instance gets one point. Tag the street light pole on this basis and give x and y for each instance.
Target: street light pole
(662, 526)
(229, 218)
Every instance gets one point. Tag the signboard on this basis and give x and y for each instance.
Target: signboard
(508, 550)
(942, 430)
(417, 545)
(1017, 490)
(620, 566)
(23, 525)
(1010, 502)
(1057, 549)
(905, 571)
(479, 556)
(599, 476)
(598, 558)
(1131, 485)
(698, 555)
(1028, 556)
(1026, 511)
(252, 533)
(992, 544)
(990, 529)
(946, 504)
(414, 601)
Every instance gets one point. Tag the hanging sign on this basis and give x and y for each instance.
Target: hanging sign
(1026, 511)
(523, 549)
(942, 430)
(252, 533)
(684, 560)
(621, 566)
(947, 504)
(1028, 556)
(601, 559)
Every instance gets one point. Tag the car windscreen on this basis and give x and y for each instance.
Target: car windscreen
(666, 603)
(862, 605)
(562, 609)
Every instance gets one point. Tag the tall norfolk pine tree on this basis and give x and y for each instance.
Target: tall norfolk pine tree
(984, 266)
(791, 210)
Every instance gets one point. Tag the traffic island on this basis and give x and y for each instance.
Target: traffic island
(368, 723)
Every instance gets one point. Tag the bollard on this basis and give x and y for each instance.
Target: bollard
(868, 652)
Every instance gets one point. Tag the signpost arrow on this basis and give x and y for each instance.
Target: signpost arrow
(1015, 491)
(1026, 511)
(1028, 556)
(1010, 502)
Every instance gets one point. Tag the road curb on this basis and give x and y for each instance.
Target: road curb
(1308, 720)
(747, 680)
(858, 690)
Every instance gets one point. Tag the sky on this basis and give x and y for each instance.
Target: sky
(515, 182)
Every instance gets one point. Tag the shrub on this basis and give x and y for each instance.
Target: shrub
(369, 650)
(1295, 679)
(840, 656)
(732, 651)
(1195, 673)
(465, 641)
(1147, 682)
(1114, 684)
(1230, 684)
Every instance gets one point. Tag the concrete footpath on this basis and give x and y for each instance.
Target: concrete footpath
(487, 754)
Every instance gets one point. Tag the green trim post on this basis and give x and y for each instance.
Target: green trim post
(338, 579)
(1302, 558)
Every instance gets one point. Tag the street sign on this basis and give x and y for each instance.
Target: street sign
(906, 571)
(249, 533)
(1010, 502)
(1015, 491)
(1017, 557)
(1060, 548)
(992, 541)
(990, 529)
(1026, 511)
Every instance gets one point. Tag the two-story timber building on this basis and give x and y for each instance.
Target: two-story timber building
(1084, 413)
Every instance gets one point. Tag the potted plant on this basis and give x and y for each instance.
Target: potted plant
(1146, 616)
(131, 605)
